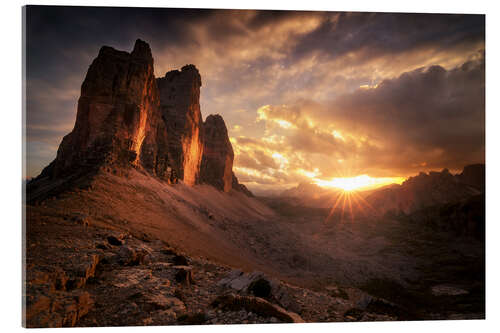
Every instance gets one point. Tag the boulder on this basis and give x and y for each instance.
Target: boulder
(79, 269)
(162, 302)
(184, 275)
(59, 309)
(127, 255)
(257, 305)
(260, 288)
(130, 277)
(114, 241)
(180, 260)
(240, 281)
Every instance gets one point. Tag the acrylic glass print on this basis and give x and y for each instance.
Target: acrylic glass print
(194, 166)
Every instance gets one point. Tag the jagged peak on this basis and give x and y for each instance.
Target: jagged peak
(215, 119)
(189, 70)
(142, 50)
(214, 126)
(108, 50)
(190, 67)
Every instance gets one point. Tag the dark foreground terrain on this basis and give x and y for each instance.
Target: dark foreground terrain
(135, 251)
(81, 273)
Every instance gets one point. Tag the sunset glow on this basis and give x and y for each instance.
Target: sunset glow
(362, 182)
(298, 109)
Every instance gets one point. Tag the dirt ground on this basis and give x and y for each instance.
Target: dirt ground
(424, 274)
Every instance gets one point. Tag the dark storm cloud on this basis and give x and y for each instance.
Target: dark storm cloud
(60, 45)
(369, 35)
(428, 118)
(438, 114)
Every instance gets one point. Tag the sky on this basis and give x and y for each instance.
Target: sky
(306, 96)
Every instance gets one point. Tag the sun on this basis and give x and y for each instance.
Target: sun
(362, 182)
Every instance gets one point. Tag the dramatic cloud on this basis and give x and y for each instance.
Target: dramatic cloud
(429, 118)
(303, 94)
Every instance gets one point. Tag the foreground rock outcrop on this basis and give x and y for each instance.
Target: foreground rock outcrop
(87, 275)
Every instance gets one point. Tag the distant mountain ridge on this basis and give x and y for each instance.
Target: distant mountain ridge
(429, 189)
(423, 190)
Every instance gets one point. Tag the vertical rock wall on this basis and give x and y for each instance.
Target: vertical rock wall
(128, 118)
(118, 120)
(180, 107)
(218, 155)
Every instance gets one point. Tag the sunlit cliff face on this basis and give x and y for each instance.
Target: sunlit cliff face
(193, 150)
(347, 100)
(140, 135)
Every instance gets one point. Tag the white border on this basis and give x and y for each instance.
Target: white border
(11, 155)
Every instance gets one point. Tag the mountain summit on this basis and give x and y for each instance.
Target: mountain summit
(127, 118)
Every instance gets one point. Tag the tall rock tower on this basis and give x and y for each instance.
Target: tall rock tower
(180, 107)
(118, 119)
(128, 118)
(218, 155)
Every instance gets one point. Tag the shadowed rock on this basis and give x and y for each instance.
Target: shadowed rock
(180, 107)
(218, 155)
(426, 190)
(127, 118)
(256, 305)
(118, 122)
(240, 187)
(474, 175)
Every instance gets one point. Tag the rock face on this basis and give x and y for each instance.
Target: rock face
(218, 155)
(426, 190)
(128, 118)
(474, 175)
(463, 218)
(118, 120)
(180, 107)
(240, 187)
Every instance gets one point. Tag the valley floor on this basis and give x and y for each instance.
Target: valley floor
(135, 251)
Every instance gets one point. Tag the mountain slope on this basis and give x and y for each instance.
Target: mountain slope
(424, 190)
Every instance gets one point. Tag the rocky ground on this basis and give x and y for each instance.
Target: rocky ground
(80, 274)
(131, 250)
